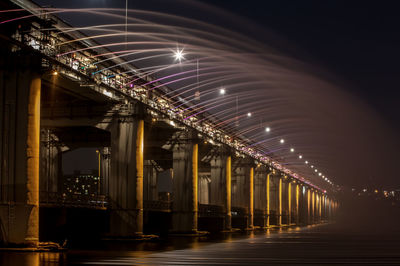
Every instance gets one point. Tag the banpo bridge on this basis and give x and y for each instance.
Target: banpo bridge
(51, 103)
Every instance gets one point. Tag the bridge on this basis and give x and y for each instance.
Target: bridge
(54, 100)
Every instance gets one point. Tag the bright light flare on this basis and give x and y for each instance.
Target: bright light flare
(179, 55)
(267, 129)
(222, 91)
(248, 114)
(300, 156)
(291, 150)
(282, 141)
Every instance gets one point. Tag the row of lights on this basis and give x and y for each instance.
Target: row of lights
(179, 55)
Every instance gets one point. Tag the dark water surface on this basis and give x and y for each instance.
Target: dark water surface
(367, 237)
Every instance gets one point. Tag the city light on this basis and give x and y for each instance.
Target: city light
(306, 162)
(249, 114)
(312, 166)
(291, 150)
(282, 141)
(222, 91)
(319, 174)
(267, 129)
(300, 156)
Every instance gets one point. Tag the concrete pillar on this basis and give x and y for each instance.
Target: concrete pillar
(185, 182)
(244, 182)
(268, 201)
(309, 206)
(50, 165)
(289, 202)
(126, 182)
(260, 191)
(20, 87)
(303, 205)
(280, 201)
(297, 208)
(221, 184)
(150, 181)
(274, 180)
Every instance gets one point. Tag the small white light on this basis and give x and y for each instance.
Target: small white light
(249, 114)
(319, 174)
(316, 170)
(222, 91)
(178, 54)
(282, 141)
(312, 166)
(300, 156)
(306, 162)
(291, 150)
(267, 129)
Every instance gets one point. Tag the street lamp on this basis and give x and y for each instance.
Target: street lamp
(179, 55)
(282, 141)
(267, 129)
(300, 156)
(98, 181)
(248, 114)
(222, 91)
(291, 150)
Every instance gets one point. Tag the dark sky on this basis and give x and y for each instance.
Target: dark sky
(356, 41)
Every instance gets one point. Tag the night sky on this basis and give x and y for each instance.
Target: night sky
(356, 42)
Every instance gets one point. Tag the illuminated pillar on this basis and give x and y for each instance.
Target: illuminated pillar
(228, 215)
(268, 200)
(32, 150)
(289, 191)
(260, 194)
(320, 208)
(20, 92)
(251, 198)
(126, 181)
(185, 176)
(297, 204)
(221, 184)
(280, 203)
(309, 218)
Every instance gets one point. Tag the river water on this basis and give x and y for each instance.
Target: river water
(367, 237)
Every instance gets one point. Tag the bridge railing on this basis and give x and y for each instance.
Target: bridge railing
(72, 200)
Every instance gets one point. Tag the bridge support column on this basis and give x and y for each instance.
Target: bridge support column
(273, 202)
(289, 202)
(126, 181)
(50, 164)
(221, 185)
(297, 206)
(268, 198)
(260, 192)
(20, 87)
(244, 180)
(185, 182)
(280, 201)
(303, 207)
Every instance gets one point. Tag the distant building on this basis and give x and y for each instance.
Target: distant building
(81, 183)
